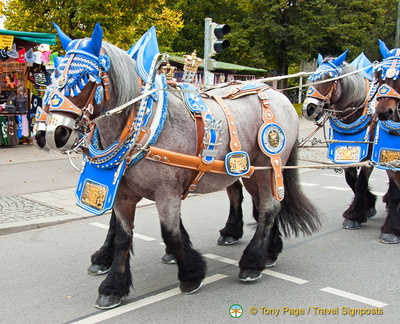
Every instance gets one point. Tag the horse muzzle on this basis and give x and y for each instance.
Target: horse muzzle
(60, 133)
(312, 109)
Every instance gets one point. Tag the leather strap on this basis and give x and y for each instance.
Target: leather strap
(197, 175)
(188, 161)
(235, 143)
(277, 186)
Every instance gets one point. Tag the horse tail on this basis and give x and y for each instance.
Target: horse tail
(297, 214)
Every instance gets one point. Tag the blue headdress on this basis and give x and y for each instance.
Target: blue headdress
(86, 65)
(390, 66)
(333, 67)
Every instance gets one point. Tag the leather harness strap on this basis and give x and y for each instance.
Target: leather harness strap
(187, 161)
(200, 124)
(276, 163)
(201, 166)
(235, 143)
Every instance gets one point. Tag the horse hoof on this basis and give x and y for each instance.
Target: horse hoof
(270, 263)
(248, 275)
(190, 287)
(107, 302)
(371, 212)
(226, 240)
(169, 258)
(351, 224)
(98, 269)
(388, 238)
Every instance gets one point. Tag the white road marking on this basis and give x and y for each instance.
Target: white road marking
(284, 277)
(221, 259)
(266, 271)
(355, 297)
(337, 188)
(135, 235)
(100, 225)
(378, 193)
(105, 315)
(306, 184)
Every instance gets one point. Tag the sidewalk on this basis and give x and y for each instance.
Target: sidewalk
(35, 210)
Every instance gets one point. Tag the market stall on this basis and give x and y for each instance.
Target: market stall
(26, 61)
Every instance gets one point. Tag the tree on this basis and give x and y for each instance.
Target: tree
(275, 34)
(123, 22)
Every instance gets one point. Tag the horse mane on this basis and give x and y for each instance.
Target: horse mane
(123, 74)
(354, 89)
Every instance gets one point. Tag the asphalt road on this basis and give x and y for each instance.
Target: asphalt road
(334, 276)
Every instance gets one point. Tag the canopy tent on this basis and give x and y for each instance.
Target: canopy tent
(38, 38)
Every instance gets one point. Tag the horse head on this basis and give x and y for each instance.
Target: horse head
(77, 94)
(320, 96)
(387, 74)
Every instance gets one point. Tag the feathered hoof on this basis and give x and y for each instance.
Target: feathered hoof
(351, 224)
(371, 212)
(388, 238)
(248, 275)
(107, 302)
(270, 263)
(226, 240)
(169, 258)
(190, 287)
(98, 269)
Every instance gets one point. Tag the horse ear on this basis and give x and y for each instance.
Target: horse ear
(320, 59)
(383, 48)
(65, 40)
(340, 59)
(97, 38)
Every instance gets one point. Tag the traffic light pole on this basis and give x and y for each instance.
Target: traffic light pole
(208, 79)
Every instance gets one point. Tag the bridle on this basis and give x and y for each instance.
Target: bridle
(60, 113)
(389, 70)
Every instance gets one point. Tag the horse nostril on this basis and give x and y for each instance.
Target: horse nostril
(62, 135)
(40, 138)
(390, 113)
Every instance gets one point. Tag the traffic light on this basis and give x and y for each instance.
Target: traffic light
(218, 44)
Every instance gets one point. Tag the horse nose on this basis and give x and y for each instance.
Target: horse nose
(385, 114)
(308, 110)
(40, 139)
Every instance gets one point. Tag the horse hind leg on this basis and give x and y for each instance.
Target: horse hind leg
(390, 231)
(275, 244)
(233, 230)
(254, 256)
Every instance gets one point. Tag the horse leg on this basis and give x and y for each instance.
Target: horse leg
(102, 259)
(233, 230)
(275, 244)
(390, 231)
(191, 265)
(254, 257)
(363, 204)
(119, 279)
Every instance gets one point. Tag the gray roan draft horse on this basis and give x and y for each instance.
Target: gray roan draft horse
(342, 94)
(95, 77)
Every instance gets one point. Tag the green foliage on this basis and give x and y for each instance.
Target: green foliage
(123, 22)
(267, 34)
(274, 34)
